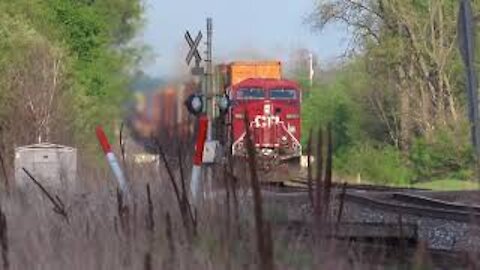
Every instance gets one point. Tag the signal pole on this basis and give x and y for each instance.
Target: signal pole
(209, 93)
(206, 146)
(209, 96)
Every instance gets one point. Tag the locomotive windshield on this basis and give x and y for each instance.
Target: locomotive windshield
(283, 94)
(250, 93)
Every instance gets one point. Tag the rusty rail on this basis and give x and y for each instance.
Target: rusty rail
(434, 203)
(417, 210)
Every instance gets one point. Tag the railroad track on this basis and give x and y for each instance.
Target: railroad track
(300, 184)
(394, 255)
(385, 243)
(434, 203)
(417, 205)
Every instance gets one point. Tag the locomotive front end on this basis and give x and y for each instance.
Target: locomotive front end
(273, 110)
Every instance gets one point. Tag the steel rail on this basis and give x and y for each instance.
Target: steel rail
(431, 212)
(434, 203)
(302, 185)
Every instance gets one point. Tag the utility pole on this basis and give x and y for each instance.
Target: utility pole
(310, 69)
(466, 30)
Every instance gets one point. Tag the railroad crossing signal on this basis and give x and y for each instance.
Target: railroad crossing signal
(193, 48)
(194, 104)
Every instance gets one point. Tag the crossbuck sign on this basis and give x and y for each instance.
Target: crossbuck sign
(193, 48)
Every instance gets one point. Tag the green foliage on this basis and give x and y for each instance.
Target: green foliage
(406, 101)
(448, 185)
(448, 154)
(94, 35)
(90, 42)
(334, 103)
(361, 143)
(343, 102)
(381, 164)
(90, 31)
(16, 38)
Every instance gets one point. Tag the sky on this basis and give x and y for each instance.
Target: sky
(266, 29)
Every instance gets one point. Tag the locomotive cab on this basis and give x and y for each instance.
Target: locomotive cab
(273, 110)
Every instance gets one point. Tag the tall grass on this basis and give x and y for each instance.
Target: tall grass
(153, 235)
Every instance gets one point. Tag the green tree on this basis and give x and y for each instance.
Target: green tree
(412, 94)
(336, 102)
(88, 44)
(410, 46)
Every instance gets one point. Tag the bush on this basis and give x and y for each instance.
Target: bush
(382, 165)
(448, 154)
(331, 103)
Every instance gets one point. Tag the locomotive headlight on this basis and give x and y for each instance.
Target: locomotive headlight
(194, 104)
(292, 129)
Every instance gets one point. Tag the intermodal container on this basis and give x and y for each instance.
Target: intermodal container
(242, 70)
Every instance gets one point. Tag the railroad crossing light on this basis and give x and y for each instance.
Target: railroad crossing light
(223, 103)
(194, 104)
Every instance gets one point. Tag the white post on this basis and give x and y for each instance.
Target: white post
(311, 70)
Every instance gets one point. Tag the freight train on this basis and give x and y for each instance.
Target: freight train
(256, 91)
(272, 106)
(161, 117)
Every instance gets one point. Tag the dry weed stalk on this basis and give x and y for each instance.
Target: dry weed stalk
(123, 212)
(264, 239)
(233, 184)
(150, 219)
(227, 197)
(184, 206)
(171, 244)
(327, 181)
(147, 264)
(4, 240)
(236, 210)
(323, 187)
(123, 152)
(227, 235)
(309, 168)
(121, 141)
(318, 186)
(147, 261)
(421, 258)
(232, 224)
(182, 176)
(58, 206)
(342, 202)
(185, 201)
(4, 172)
(402, 247)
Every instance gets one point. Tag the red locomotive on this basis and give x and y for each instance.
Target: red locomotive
(273, 109)
(272, 106)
